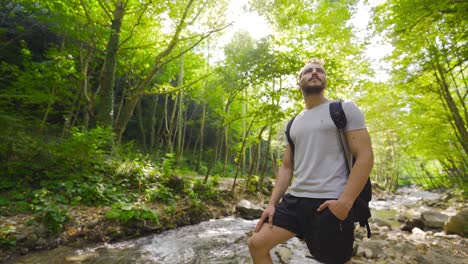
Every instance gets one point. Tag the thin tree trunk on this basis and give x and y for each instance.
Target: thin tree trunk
(202, 135)
(460, 124)
(180, 121)
(265, 161)
(105, 106)
(153, 121)
(244, 141)
(141, 126)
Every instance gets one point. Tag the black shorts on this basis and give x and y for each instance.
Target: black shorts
(328, 239)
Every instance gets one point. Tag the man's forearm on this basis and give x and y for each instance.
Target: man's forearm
(357, 179)
(283, 180)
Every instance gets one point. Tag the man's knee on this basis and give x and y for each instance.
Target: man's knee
(256, 245)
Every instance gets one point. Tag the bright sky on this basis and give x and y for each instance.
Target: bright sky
(255, 24)
(258, 28)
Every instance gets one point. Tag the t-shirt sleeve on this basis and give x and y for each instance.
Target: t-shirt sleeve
(354, 116)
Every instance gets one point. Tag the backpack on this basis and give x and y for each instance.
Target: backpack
(361, 208)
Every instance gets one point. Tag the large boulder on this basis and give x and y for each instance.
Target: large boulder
(433, 219)
(457, 224)
(248, 210)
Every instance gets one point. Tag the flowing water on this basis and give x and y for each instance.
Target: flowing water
(220, 241)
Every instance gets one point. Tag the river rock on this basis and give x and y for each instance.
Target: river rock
(81, 258)
(371, 248)
(418, 234)
(382, 223)
(457, 224)
(248, 210)
(433, 219)
(284, 254)
(364, 252)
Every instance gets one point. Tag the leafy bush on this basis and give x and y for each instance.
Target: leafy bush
(205, 191)
(135, 174)
(126, 212)
(161, 193)
(48, 211)
(7, 241)
(168, 164)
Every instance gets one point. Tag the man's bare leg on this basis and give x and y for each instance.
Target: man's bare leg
(263, 241)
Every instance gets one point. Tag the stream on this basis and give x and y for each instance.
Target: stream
(215, 241)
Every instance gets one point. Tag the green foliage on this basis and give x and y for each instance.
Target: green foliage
(161, 193)
(48, 211)
(205, 191)
(168, 164)
(126, 212)
(6, 240)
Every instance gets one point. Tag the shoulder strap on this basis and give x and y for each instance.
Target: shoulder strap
(338, 116)
(288, 133)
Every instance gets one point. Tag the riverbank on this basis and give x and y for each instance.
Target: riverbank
(90, 225)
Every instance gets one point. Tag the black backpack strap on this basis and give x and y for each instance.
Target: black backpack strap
(288, 134)
(338, 116)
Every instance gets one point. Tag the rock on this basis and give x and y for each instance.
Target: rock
(381, 222)
(375, 247)
(284, 254)
(438, 256)
(411, 219)
(433, 219)
(410, 224)
(23, 251)
(21, 237)
(248, 211)
(364, 252)
(81, 258)
(31, 240)
(41, 243)
(417, 234)
(457, 224)
(41, 231)
(176, 183)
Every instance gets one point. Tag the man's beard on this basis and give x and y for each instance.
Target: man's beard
(313, 89)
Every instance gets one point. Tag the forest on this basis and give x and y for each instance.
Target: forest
(121, 103)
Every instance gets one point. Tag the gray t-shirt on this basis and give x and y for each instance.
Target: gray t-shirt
(319, 164)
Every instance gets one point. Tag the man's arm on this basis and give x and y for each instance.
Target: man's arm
(283, 180)
(360, 146)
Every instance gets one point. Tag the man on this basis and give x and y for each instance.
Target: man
(318, 206)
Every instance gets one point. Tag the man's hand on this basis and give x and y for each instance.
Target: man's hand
(338, 207)
(268, 213)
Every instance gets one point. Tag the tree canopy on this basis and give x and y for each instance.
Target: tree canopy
(147, 77)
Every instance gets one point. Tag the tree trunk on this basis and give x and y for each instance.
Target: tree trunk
(226, 143)
(457, 119)
(202, 135)
(180, 112)
(127, 112)
(105, 105)
(265, 161)
(241, 151)
(153, 121)
(141, 126)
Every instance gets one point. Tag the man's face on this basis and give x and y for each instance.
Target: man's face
(313, 79)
